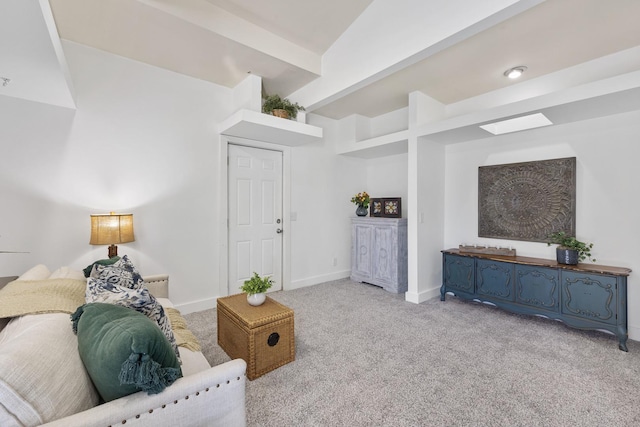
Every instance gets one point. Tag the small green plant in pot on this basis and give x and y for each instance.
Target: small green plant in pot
(274, 104)
(570, 250)
(256, 287)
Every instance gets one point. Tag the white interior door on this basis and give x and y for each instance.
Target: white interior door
(255, 215)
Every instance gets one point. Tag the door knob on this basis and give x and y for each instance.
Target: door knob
(279, 230)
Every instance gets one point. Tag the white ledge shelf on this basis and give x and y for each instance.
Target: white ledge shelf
(380, 146)
(263, 127)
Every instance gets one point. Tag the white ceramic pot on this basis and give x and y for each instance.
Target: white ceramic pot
(256, 299)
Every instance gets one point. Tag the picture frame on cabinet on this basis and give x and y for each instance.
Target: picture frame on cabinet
(392, 207)
(376, 207)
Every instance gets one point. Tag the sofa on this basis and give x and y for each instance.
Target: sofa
(55, 390)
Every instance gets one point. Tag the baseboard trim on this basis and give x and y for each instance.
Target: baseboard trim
(205, 304)
(422, 296)
(200, 305)
(310, 281)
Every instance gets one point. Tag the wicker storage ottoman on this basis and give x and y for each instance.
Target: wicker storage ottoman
(262, 336)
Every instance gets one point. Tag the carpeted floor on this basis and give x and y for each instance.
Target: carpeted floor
(365, 357)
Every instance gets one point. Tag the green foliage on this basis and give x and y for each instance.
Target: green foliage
(274, 102)
(565, 241)
(256, 284)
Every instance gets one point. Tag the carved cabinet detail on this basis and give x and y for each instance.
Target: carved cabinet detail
(537, 286)
(495, 279)
(459, 273)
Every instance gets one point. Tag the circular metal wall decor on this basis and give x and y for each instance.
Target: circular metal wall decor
(527, 201)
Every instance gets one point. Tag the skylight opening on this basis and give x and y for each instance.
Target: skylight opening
(531, 121)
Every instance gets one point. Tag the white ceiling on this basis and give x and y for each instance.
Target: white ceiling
(30, 57)
(552, 36)
(283, 41)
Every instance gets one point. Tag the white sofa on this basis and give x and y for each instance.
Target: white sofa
(204, 396)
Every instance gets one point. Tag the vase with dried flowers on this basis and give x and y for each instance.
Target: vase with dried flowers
(362, 202)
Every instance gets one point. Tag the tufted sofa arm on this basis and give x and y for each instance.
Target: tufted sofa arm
(214, 397)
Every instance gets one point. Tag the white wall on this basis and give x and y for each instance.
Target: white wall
(607, 198)
(387, 177)
(144, 140)
(322, 186)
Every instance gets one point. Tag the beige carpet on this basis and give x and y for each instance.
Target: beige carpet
(365, 357)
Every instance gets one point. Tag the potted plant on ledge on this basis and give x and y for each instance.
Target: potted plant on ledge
(570, 250)
(275, 105)
(255, 288)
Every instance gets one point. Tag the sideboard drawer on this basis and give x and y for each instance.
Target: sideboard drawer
(538, 287)
(495, 279)
(589, 296)
(459, 273)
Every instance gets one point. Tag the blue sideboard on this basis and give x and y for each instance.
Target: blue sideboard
(584, 296)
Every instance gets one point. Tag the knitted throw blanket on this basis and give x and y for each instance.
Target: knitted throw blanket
(184, 337)
(41, 296)
(24, 297)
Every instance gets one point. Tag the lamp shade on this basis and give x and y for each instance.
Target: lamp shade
(111, 229)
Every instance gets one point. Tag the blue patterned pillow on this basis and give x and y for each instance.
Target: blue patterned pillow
(121, 273)
(122, 285)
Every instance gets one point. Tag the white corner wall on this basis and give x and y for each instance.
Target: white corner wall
(322, 186)
(607, 197)
(387, 177)
(142, 140)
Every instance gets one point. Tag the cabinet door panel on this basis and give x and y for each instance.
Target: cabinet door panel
(537, 286)
(495, 279)
(459, 273)
(362, 243)
(590, 296)
(384, 258)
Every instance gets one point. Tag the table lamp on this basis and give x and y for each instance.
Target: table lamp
(111, 229)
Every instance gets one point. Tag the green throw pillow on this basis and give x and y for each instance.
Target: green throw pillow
(107, 261)
(123, 351)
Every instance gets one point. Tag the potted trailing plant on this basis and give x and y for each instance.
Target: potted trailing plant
(256, 287)
(570, 250)
(362, 201)
(274, 104)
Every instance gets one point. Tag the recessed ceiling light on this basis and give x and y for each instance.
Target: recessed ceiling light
(519, 123)
(515, 72)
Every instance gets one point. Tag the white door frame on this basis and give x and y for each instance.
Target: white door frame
(225, 140)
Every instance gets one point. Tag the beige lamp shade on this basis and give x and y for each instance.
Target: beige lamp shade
(111, 229)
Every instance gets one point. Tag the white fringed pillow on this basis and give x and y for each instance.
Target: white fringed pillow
(39, 272)
(67, 273)
(42, 377)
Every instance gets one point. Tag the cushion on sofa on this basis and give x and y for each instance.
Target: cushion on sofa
(124, 351)
(108, 261)
(42, 377)
(121, 284)
(67, 273)
(38, 272)
(121, 272)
